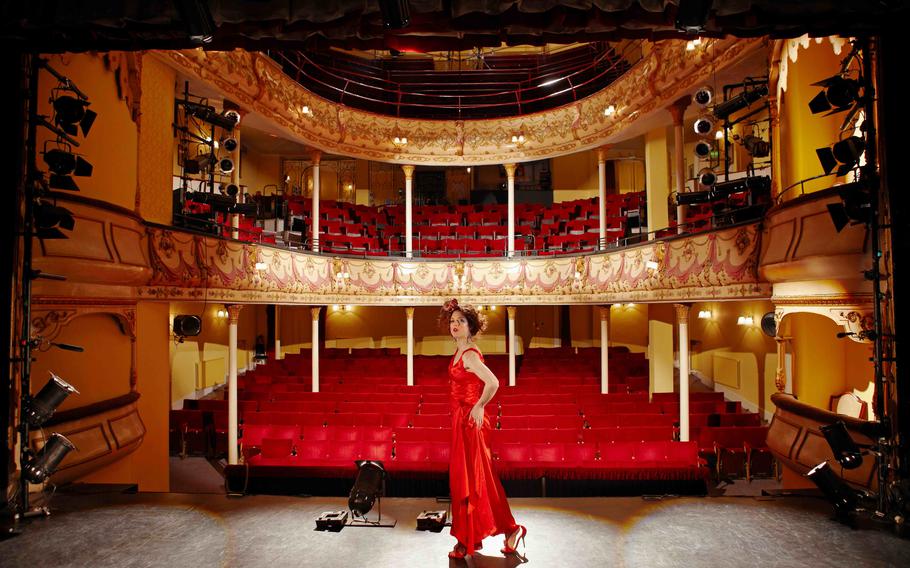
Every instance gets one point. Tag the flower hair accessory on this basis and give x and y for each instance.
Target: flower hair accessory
(451, 305)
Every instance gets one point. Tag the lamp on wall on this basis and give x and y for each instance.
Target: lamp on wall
(704, 314)
(744, 320)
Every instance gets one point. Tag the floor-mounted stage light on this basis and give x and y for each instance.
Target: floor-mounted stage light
(743, 100)
(50, 219)
(36, 410)
(843, 497)
(45, 462)
(71, 114)
(843, 155)
(845, 450)
(63, 164)
(367, 487)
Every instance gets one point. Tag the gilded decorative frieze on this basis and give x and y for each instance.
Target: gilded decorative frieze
(259, 84)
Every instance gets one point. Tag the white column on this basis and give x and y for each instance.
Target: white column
(408, 211)
(234, 314)
(510, 172)
(677, 110)
(604, 349)
(410, 313)
(511, 311)
(682, 318)
(234, 220)
(315, 313)
(277, 333)
(602, 194)
(317, 157)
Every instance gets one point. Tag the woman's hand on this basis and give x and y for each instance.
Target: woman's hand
(476, 416)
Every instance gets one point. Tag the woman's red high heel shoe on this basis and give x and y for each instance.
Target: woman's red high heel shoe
(458, 552)
(522, 531)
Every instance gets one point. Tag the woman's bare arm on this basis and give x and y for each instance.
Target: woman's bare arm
(473, 363)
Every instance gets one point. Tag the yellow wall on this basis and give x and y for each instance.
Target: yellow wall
(657, 177)
(629, 326)
(574, 176)
(823, 364)
(259, 170)
(156, 141)
(630, 175)
(801, 132)
(111, 146)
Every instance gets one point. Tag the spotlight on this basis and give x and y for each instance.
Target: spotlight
(45, 462)
(839, 94)
(39, 408)
(692, 15)
(704, 126)
(855, 206)
(754, 184)
(226, 120)
(231, 190)
(63, 163)
(201, 163)
(226, 165)
(740, 101)
(756, 147)
(367, 487)
(704, 149)
(70, 114)
(842, 496)
(845, 450)
(49, 219)
(707, 178)
(198, 20)
(769, 324)
(395, 14)
(843, 155)
(229, 144)
(187, 326)
(703, 96)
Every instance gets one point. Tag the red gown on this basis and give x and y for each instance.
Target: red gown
(479, 506)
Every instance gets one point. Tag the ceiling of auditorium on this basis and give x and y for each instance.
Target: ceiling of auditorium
(434, 25)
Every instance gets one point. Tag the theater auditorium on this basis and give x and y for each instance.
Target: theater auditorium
(231, 228)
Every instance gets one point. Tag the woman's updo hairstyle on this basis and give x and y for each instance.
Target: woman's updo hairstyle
(477, 322)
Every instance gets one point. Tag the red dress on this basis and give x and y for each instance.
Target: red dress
(479, 506)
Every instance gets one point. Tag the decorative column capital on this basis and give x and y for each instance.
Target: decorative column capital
(602, 153)
(510, 170)
(678, 108)
(682, 313)
(314, 312)
(410, 312)
(512, 310)
(604, 312)
(408, 172)
(233, 312)
(316, 157)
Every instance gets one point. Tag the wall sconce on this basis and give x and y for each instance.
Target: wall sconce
(610, 110)
(692, 44)
(493, 308)
(704, 314)
(719, 135)
(469, 169)
(518, 139)
(306, 110)
(400, 141)
(222, 314)
(744, 320)
(342, 308)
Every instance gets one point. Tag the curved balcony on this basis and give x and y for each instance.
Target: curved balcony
(508, 86)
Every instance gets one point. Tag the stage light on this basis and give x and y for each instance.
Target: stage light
(45, 462)
(197, 18)
(743, 100)
(845, 450)
(769, 324)
(396, 14)
(36, 410)
(229, 144)
(843, 155)
(756, 147)
(706, 178)
(226, 120)
(704, 96)
(226, 165)
(692, 15)
(843, 497)
(50, 219)
(201, 163)
(839, 94)
(703, 149)
(70, 114)
(855, 206)
(231, 190)
(367, 488)
(703, 126)
(63, 163)
(187, 326)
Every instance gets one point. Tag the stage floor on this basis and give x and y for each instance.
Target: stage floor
(199, 531)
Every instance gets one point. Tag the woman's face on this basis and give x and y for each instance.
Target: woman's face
(458, 325)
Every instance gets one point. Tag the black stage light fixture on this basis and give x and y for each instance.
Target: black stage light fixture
(692, 15)
(846, 452)
(226, 120)
(231, 190)
(196, 16)
(396, 14)
(706, 178)
(36, 410)
(248, 209)
(756, 147)
(50, 219)
(843, 155)
(704, 126)
(367, 486)
(855, 206)
(757, 184)
(703, 149)
(45, 462)
(226, 165)
(769, 324)
(743, 100)
(187, 326)
(433, 521)
(70, 114)
(229, 144)
(704, 96)
(839, 94)
(331, 521)
(63, 164)
(201, 163)
(843, 497)
(693, 197)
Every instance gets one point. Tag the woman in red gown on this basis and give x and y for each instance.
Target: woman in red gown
(479, 506)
